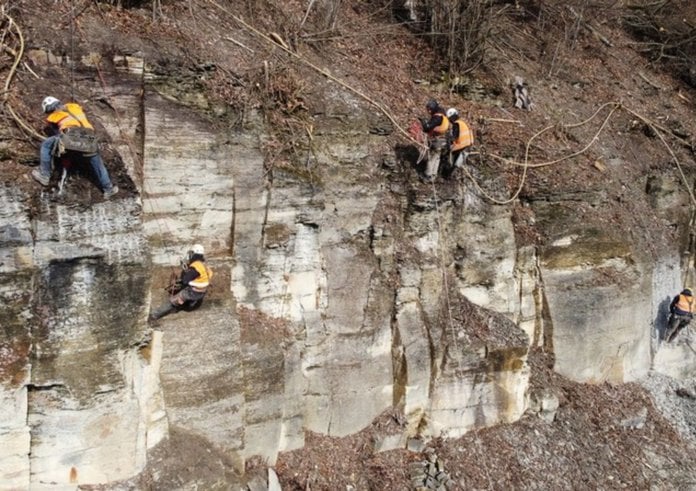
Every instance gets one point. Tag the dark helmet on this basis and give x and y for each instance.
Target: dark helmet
(431, 105)
(687, 292)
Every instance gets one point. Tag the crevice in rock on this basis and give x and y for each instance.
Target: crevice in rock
(538, 295)
(365, 324)
(544, 315)
(57, 386)
(434, 365)
(233, 221)
(399, 366)
(266, 209)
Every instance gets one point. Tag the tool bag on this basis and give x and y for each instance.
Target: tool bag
(78, 139)
(82, 140)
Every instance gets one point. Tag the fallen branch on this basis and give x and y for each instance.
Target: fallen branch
(500, 120)
(278, 41)
(641, 75)
(590, 28)
(683, 97)
(232, 40)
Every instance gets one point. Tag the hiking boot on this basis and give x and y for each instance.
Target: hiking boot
(108, 194)
(163, 310)
(44, 180)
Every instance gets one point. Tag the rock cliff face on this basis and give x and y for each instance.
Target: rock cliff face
(78, 390)
(359, 331)
(342, 290)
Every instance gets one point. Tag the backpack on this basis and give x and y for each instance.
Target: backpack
(79, 139)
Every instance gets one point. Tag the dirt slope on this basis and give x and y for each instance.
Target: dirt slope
(572, 72)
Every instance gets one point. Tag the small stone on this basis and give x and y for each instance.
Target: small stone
(637, 422)
(441, 476)
(418, 476)
(430, 483)
(415, 445)
(417, 483)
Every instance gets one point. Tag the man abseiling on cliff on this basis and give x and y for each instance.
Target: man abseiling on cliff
(191, 287)
(681, 311)
(436, 127)
(63, 119)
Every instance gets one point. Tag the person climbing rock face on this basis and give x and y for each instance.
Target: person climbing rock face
(460, 138)
(62, 118)
(192, 285)
(436, 128)
(681, 311)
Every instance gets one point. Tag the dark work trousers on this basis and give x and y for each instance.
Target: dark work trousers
(676, 323)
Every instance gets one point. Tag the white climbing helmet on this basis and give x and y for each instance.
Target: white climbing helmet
(198, 249)
(451, 112)
(49, 104)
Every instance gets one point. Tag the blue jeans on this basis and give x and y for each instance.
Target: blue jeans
(46, 157)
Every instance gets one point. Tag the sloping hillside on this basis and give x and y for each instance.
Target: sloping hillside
(590, 140)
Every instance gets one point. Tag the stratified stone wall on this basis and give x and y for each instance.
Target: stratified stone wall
(341, 290)
(88, 384)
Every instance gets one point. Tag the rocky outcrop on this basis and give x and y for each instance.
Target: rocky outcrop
(79, 388)
(342, 289)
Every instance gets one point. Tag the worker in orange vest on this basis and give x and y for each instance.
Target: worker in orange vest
(61, 118)
(191, 287)
(460, 138)
(436, 128)
(681, 312)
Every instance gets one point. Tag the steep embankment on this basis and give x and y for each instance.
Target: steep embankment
(358, 315)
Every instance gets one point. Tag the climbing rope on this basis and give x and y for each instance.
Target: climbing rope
(615, 106)
(72, 49)
(526, 165)
(163, 229)
(130, 144)
(276, 41)
(445, 283)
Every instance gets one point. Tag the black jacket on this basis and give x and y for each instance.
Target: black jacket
(434, 121)
(189, 274)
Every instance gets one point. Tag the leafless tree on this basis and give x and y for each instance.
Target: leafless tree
(460, 30)
(666, 30)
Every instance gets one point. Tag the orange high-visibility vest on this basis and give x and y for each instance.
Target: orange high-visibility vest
(442, 128)
(204, 275)
(465, 138)
(69, 116)
(685, 304)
